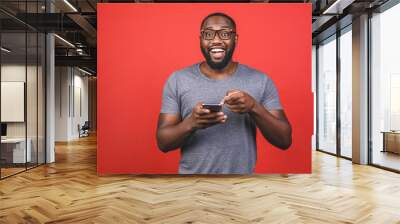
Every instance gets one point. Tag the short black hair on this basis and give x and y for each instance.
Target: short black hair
(219, 14)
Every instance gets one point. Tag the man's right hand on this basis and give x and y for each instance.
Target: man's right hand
(203, 118)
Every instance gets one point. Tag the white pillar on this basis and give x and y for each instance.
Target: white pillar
(360, 90)
(50, 93)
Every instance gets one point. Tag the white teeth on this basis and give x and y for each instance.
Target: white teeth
(216, 50)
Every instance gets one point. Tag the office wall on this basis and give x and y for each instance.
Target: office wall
(71, 102)
(62, 78)
(80, 105)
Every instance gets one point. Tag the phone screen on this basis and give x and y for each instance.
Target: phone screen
(212, 107)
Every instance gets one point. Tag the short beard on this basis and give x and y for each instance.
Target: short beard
(219, 65)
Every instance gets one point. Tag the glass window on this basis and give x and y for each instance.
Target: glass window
(327, 95)
(314, 84)
(346, 93)
(385, 88)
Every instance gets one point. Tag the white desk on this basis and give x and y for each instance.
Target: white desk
(18, 149)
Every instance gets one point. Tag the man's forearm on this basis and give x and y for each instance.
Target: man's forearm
(172, 137)
(277, 131)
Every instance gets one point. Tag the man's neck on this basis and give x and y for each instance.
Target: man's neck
(218, 74)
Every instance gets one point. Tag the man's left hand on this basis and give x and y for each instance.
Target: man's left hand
(239, 101)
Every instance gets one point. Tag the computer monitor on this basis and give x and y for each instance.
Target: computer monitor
(3, 129)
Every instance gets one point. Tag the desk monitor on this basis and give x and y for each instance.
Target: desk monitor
(3, 129)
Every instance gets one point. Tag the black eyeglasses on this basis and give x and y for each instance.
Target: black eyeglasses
(222, 34)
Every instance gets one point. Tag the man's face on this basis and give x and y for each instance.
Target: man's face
(217, 51)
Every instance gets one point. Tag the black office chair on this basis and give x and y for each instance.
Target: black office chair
(84, 130)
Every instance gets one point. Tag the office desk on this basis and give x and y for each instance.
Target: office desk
(391, 141)
(13, 150)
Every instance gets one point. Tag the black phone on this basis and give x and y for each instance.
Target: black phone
(213, 107)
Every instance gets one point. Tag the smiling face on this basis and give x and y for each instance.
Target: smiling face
(217, 41)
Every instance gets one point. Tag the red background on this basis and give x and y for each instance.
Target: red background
(140, 45)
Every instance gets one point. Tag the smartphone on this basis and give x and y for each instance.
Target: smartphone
(213, 107)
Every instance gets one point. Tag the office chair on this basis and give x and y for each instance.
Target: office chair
(84, 130)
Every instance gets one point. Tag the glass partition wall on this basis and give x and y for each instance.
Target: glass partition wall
(334, 90)
(22, 88)
(334, 94)
(385, 89)
(345, 93)
(326, 91)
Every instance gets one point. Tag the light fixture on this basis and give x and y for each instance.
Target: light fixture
(70, 5)
(84, 71)
(337, 7)
(64, 40)
(80, 51)
(5, 50)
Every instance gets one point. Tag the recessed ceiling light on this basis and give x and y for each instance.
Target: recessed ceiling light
(5, 50)
(70, 5)
(84, 71)
(64, 40)
(338, 6)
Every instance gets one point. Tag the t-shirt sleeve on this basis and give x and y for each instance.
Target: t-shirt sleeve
(170, 98)
(270, 98)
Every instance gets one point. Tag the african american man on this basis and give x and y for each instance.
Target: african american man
(220, 142)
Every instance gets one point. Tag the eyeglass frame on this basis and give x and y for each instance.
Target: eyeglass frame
(231, 31)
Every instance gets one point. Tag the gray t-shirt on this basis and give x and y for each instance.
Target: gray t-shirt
(228, 148)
